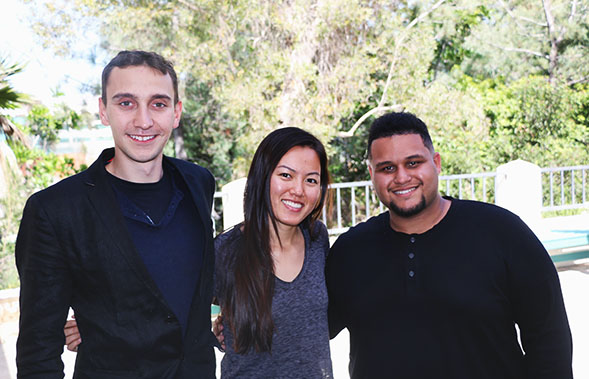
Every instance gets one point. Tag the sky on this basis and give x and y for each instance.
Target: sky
(44, 72)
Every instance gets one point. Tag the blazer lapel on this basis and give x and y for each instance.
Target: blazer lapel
(199, 195)
(199, 198)
(103, 199)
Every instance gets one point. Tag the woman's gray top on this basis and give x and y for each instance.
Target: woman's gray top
(300, 346)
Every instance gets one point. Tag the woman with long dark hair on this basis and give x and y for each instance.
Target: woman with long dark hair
(270, 268)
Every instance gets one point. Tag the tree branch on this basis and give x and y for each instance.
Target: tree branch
(518, 50)
(350, 133)
(554, 39)
(190, 5)
(577, 81)
(516, 18)
(398, 43)
(227, 39)
(549, 18)
(573, 10)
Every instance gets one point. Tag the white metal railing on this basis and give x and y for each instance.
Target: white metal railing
(479, 187)
(354, 202)
(361, 202)
(565, 187)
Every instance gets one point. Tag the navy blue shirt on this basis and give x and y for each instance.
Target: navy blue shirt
(168, 235)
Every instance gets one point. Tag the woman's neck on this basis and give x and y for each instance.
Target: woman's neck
(284, 237)
(288, 252)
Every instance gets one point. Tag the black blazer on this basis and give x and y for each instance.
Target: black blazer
(73, 249)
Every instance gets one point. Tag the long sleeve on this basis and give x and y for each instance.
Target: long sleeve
(539, 310)
(333, 271)
(44, 297)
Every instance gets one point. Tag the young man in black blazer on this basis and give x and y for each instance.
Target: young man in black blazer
(127, 243)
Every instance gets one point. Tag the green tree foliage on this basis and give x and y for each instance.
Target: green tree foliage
(37, 171)
(12, 198)
(581, 115)
(532, 37)
(494, 80)
(453, 27)
(34, 168)
(210, 135)
(537, 121)
(46, 124)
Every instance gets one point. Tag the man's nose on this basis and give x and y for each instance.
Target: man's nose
(143, 118)
(402, 176)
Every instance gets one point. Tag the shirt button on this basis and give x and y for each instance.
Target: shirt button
(411, 255)
(411, 274)
(170, 319)
(412, 239)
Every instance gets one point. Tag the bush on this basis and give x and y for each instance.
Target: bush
(37, 171)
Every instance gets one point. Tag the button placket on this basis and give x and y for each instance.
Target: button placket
(411, 269)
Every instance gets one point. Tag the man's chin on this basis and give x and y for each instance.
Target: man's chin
(409, 211)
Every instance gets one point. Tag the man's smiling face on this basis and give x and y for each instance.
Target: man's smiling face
(141, 112)
(404, 173)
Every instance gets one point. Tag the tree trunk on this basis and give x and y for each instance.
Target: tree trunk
(302, 54)
(554, 40)
(178, 137)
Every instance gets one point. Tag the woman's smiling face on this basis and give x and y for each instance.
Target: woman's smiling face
(295, 186)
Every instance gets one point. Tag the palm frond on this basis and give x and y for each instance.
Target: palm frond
(13, 131)
(9, 98)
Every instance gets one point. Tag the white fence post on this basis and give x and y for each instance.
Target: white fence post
(233, 202)
(518, 187)
(8, 167)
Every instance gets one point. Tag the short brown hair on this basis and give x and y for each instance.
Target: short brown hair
(128, 58)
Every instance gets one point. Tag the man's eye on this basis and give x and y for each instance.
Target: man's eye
(159, 105)
(125, 103)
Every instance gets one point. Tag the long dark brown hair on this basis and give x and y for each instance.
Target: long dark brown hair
(248, 294)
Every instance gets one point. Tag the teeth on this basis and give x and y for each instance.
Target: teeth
(403, 192)
(292, 204)
(142, 138)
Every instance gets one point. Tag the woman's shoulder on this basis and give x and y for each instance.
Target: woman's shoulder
(225, 241)
(319, 237)
(319, 228)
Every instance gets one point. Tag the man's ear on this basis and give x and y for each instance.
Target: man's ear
(102, 112)
(438, 162)
(177, 113)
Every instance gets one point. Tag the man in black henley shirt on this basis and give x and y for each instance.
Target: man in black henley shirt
(435, 287)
